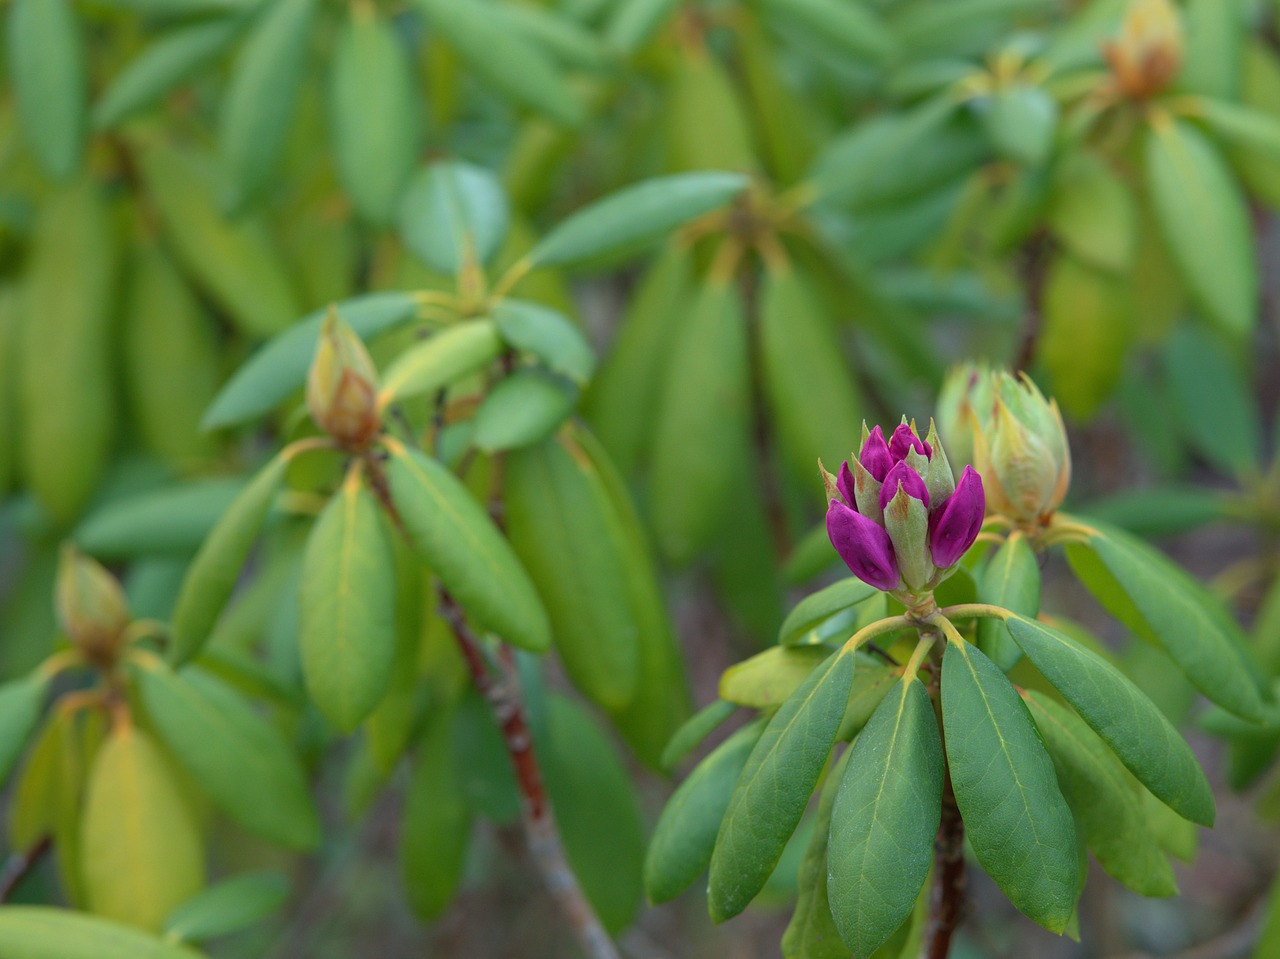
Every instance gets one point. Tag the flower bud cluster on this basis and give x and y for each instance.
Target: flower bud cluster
(1147, 55)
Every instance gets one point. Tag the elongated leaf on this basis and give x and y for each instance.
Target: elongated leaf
(346, 608)
(681, 846)
(851, 28)
(1213, 401)
(557, 32)
(1021, 121)
(818, 607)
(1252, 129)
(230, 906)
(280, 367)
(263, 92)
(171, 60)
(240, 761)
(374, 108)
(775, 787)
(47, 65)
(1215, 35)
(768, 678)
(1157, 600)
(635, 21)
(138, 824)
(1205, 224)
(1092, 211)
(1158, 511)
(706, 124)
(885, 818)
(694, 730)
(216, 568)
(436, 829)
(1123, 716)
(451, 531)
(504, 59)
(560, 523)
(812, 932)
(643, 212)
(20, 703)
(547, 334)
(1016, 820)
(172, 520)
(452, 211)
(42, 932)
(1110, 809)
(522, 410)
(1010, 580)
(433, 364)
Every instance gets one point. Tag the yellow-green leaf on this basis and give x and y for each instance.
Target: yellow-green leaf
(42, 932)
(47, 65)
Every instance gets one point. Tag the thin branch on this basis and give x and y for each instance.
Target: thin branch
(947, 898)
(19, 866)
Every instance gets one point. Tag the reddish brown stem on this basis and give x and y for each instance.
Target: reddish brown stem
(946, 905)
(19, 866)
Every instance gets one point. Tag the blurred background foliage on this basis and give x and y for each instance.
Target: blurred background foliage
(1029, 182)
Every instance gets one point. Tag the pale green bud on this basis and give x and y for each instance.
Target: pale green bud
(342, 386)
(90, 606)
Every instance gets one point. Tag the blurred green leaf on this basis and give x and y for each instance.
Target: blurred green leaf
(49, 74)
(769, 678)
(1093, 213)
(818, 607)
(21, 701)
(43, 932)
(1011, 580)
(442, 358)
(173, 519)
(548, 335)
(452, 211)
(695, 729)
(230, 906)
(437, 827)
(524, 409)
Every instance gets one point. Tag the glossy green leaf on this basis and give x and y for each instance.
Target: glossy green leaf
(374, 109)
(1015, 818)
(43, 932)
(1092, 211)
(1159, 601)
(170, 520)
(522, 410)
(262, 93)
(812, 932)
(640, 213)
(1110, 810)
(681, 846)
(230, 906)
(775, 786)
(280, 367)
(50, 82)
(20, 704)
(217, 566)
(1205, 223)
(1122, 715)
(851, 28)
(1010, 580)
(818, 607)
(871, 683)
(437, 827)
(694, 730)
(448, 355)
(460, 544)
(238, 758)
(506, 60)
(454, 211)
(560, 522)
(885, 818)
(768, 678)
(171, 60)
(548, 335)
(346, 608)
(138, 824)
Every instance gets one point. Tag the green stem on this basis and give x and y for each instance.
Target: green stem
(974, 611)
(878, 628)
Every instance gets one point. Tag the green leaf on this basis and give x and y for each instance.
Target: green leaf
(775, 786)
(346, 608)
(522, 410)
(548, 335)
(47, 66)
(238, 759)
(871, 683)
(20, 703)
(262, 94)
(1158, 601)
(559, 519)
(885, 818)
(1010, 580)
(849, 28)
(1015, 818)
(173, 520)
(1021, 121)
(705, 125)
(138, 824)
(634, 22)
(42, 932)
(1159, 510)
(173, 58)
(452, 213)
(558, 33)
(373, 103)
(1122, 715)
(818, 607)
(437, 827)
(504, 59)
(1205, 223)
(1110, 809)
(1093, 213)
(281, 366)
(448, 355)
(812, 932)
(455, 537)
(482, 764)
(217, 566)
(694, 730)
(681, 846)
(1215, 31)
(229, 906)
(768, 678)
(640, 213)
(1243, 126)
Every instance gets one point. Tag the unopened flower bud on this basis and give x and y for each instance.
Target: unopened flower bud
(342, 386)
(1147, 54)
(90, 606)
(964, 401)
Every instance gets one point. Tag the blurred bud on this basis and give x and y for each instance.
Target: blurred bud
(342, 386)
(1147, 54)
(90, 606)
(964, 400)
(1022, 451)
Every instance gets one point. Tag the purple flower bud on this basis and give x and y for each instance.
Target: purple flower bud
(904, 441)
(864, 546)
(874, 455)
(955, 525)
(911, 482)
(846, 485)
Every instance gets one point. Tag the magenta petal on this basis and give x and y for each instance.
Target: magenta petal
(874, 455)
(864, 546)
(903, 476)
(844, 482)
(955, 526)
(904, 441)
